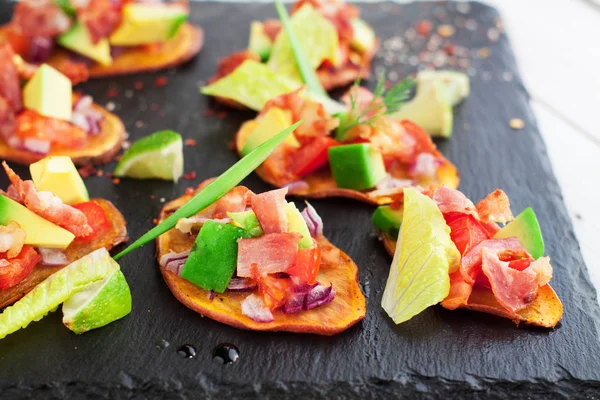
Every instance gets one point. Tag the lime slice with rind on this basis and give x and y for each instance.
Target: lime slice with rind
(424, 257)
(158, 156)
(98, 304)
(317, 36)
(57, 289)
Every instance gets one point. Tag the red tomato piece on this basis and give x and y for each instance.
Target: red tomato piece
(312, 156)
(18, 268)
(96, 218)
(57, 132)
(274, 291)
(308, 262)
(465, 231)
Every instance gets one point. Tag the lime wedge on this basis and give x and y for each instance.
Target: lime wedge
(251, 84)
(98, 304)
(425, 254)
(159, 156)
(316, 35)
(57, 289)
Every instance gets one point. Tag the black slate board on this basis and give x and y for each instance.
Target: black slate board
(438, 354)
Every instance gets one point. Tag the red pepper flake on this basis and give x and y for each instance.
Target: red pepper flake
(190, 142)
(155, 222)
(138, 85)
(87, 171)
(112, 92)
(154, 107)
(118, 158)
(152, 196)
(189, 191)
(209, 113)
(116, 181)
(109, 175)
(190, 175)
(222, 115)
(450, 49)
(99, 173)
(162, 114)
(139, 124)
(424, 27)
(161, 81)
(388, 84)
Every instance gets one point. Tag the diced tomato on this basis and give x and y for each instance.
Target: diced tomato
(271, 253)
(518, 260)
(21, 44)
(308, 262)
(270, 211)
(60, 133)
(465, 231)
(274, 291)
(18, 268)
(312, 155)
(96, 218)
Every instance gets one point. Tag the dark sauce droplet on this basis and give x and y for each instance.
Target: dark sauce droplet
(161, 344)
(226, 353)
(187, 351)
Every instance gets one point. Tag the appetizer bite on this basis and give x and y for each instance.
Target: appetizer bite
(337, 44)
(103, 37)
(361, 153)
(254, 261)
(449, 251)
(49, 222)
(45, 117)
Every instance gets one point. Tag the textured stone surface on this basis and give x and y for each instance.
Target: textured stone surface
(439, 354)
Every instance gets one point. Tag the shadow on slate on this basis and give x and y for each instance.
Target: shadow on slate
(438, 354)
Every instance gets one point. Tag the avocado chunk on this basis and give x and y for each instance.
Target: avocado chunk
(388, 220)
(526, 228)
(259, 42)
(247, 220)
(274, 121)
(145, 23)
(363, 37)
(212, 260)
(58, 175)
(297, 224)
(356, 166)
(39, 231)
(78, 39)
(430, 109)
(49, 93)
(455, 85)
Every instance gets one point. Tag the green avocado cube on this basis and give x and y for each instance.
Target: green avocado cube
(388, 220)
(356, 166)
(213, 258)
(526, 228)
(247, 220)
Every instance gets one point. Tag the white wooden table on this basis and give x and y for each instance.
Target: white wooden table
(557, 44)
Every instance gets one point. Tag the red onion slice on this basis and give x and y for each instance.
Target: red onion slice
(241, 284)
(86, 117)
(37, 146)
(254, 308)
(174, 262)
(425, 166)
(53, 257)
(306, 297)
(296, 186)
(319, 295)
(389, 182)
(40, 49)
(313, 220)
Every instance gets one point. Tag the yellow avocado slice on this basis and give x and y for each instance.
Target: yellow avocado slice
(78, 39)
(40, 232)
(49, 93)
(271, 123)
(58, 175)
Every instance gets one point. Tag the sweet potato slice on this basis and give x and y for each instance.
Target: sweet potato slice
(99, 149)
(545, 310)
(116, 235)
(347, 308)
(321, 184)
(184, 46)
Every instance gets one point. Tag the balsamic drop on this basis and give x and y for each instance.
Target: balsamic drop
(161, 344)
(226, 353)
(187, 351)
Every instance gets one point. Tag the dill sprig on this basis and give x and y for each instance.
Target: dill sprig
(383, 103)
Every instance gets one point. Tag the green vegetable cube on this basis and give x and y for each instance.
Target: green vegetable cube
(388, 220)
(213, 258)
(356, 166)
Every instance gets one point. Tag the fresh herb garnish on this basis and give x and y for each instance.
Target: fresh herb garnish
(215, 190)
(383, 103)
